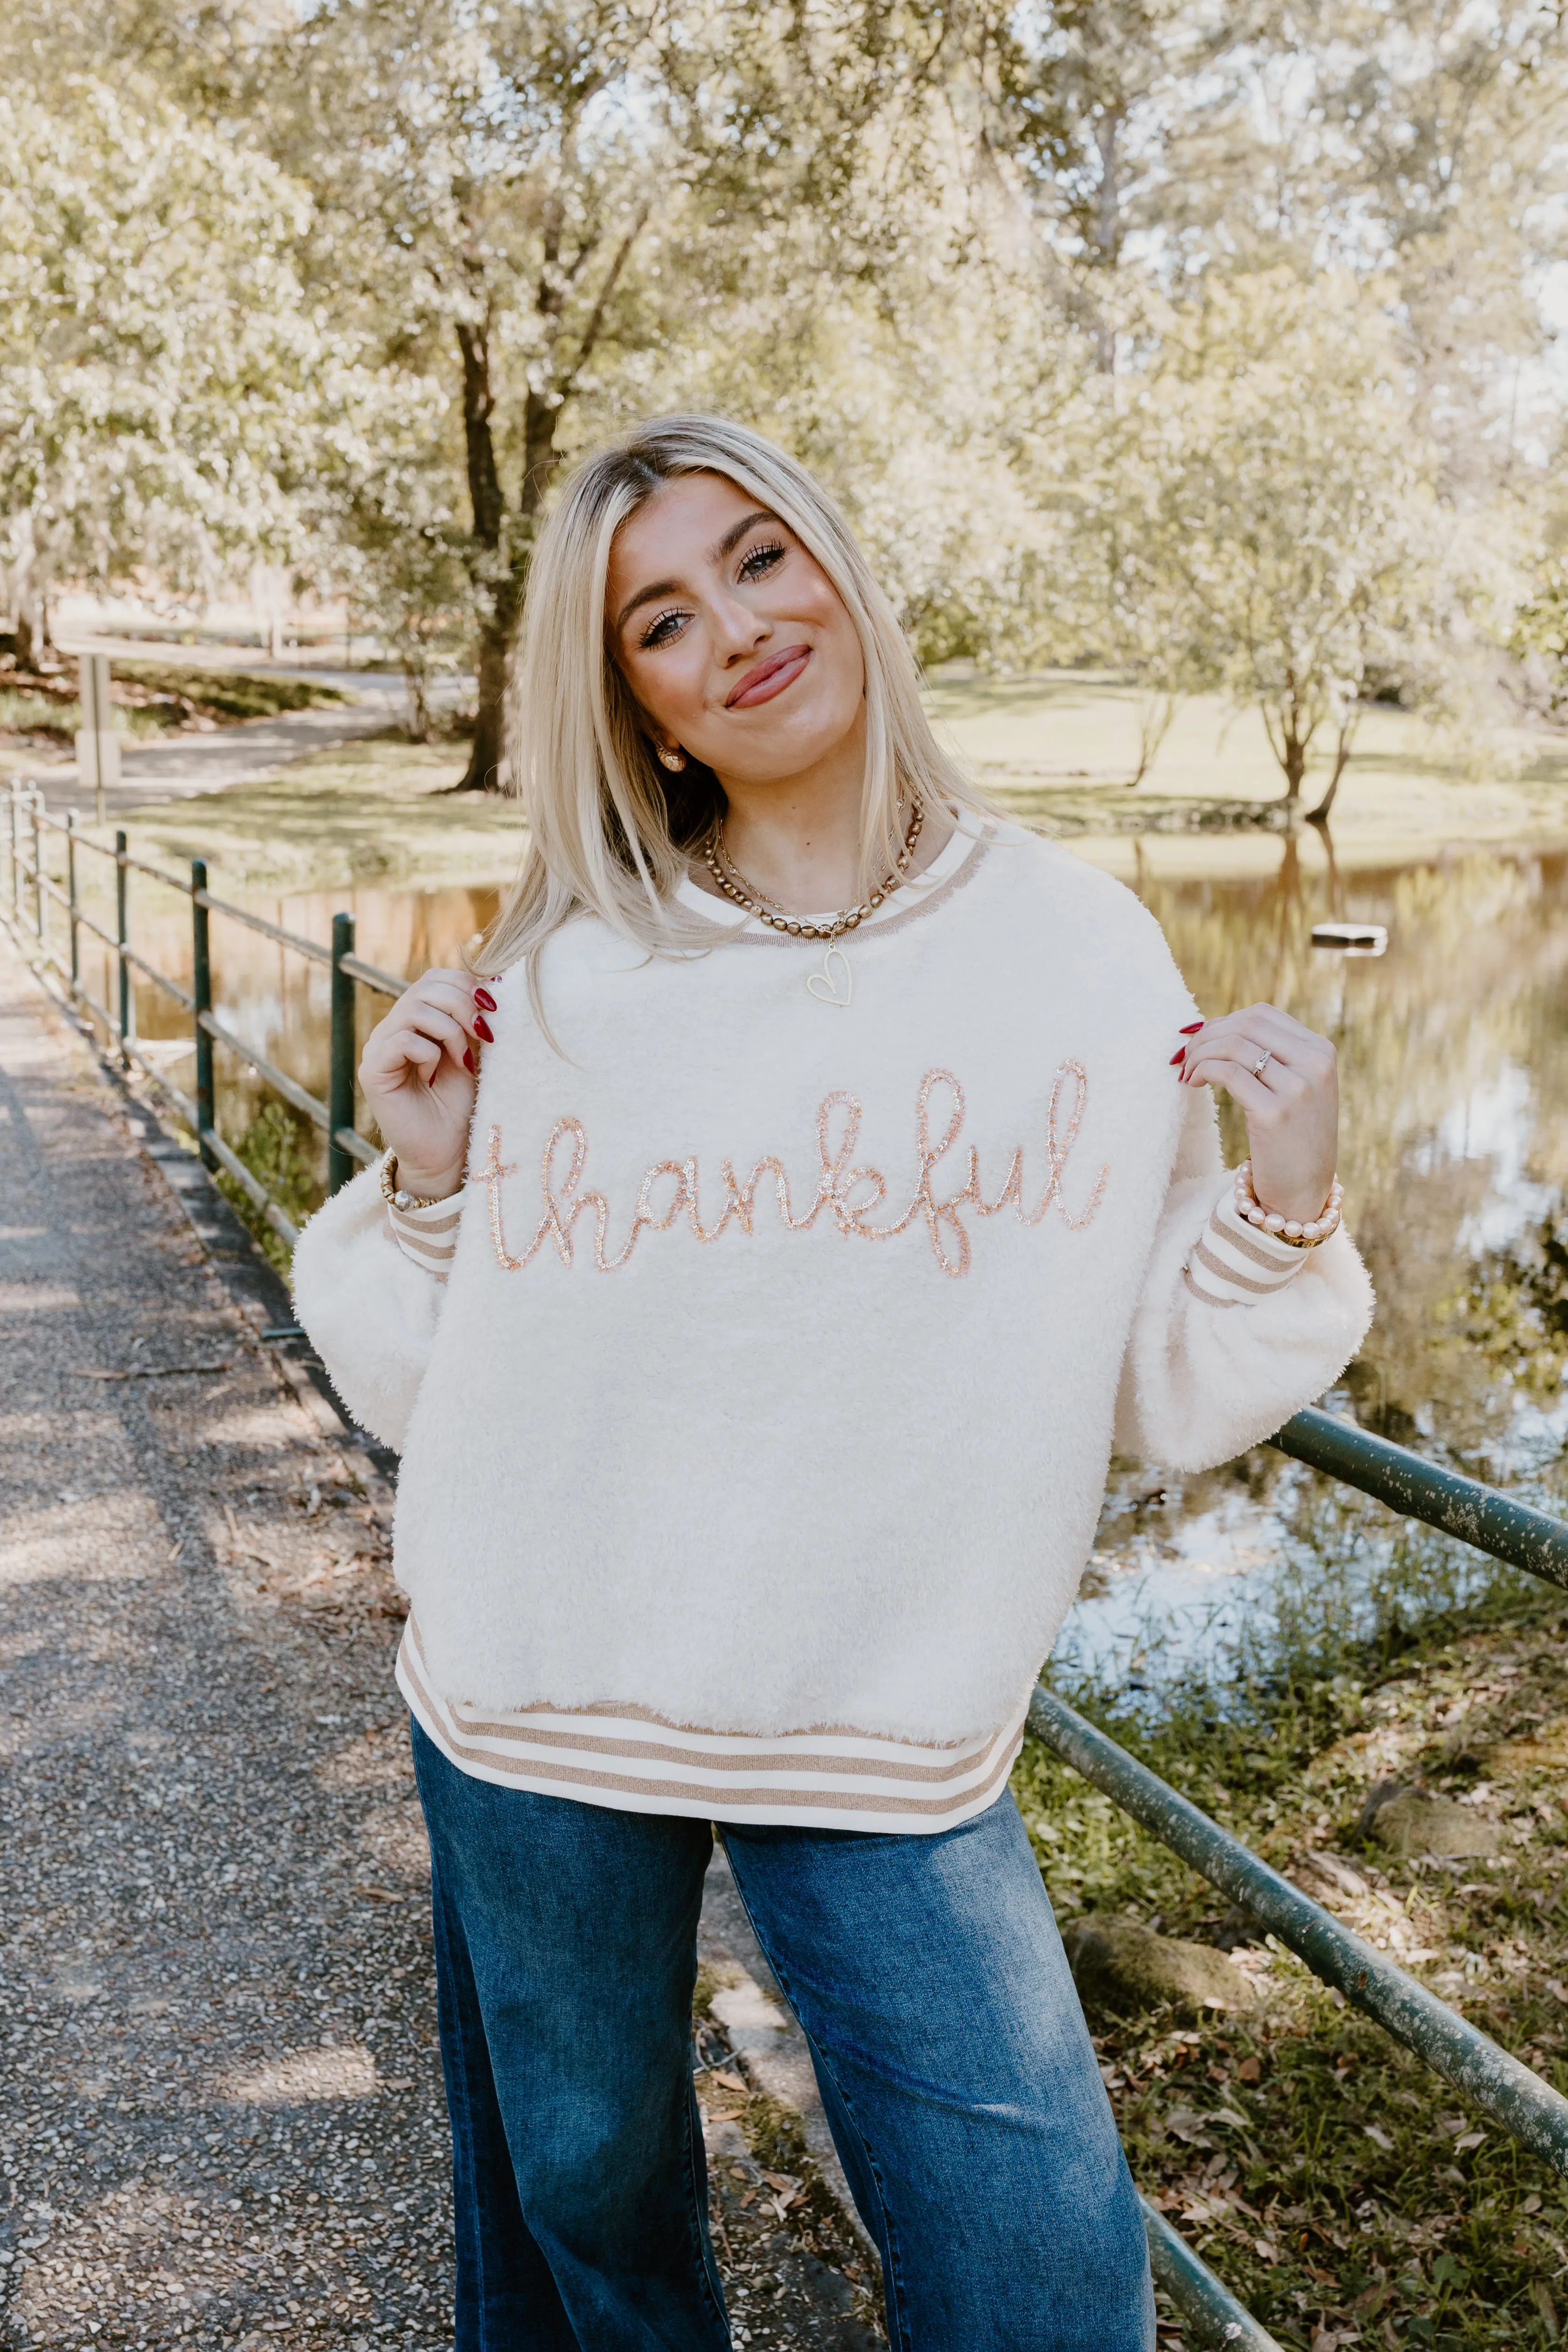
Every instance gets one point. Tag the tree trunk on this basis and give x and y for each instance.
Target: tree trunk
(1295, 767)
(485, 771)
(505, 574)
(1290, 733)
(1156, 713)
(488, 769)
(416, 686)
(32, 622)
(1107, 229)
(1320, 815)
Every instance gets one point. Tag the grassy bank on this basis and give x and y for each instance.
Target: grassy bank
(1341, 2189)
(377, 811)
(1059, 750)
(1054, 751)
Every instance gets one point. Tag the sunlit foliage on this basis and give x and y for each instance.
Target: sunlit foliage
(1212, 347)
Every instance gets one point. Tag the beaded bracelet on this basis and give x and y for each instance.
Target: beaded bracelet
(395, 1197)
(1300, 1236)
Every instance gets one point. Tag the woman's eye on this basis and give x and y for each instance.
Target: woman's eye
(660, 630)
(762, 560)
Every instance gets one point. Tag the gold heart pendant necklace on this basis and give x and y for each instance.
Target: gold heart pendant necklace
(826, 988)
(832, 984)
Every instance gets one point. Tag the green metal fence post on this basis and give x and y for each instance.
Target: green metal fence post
(1502, 2086)
(39, 867)
(201, 990)
(340, 1078)
(127, 1002)
(71, 893)
(1420, 1490)
(1205, 2302)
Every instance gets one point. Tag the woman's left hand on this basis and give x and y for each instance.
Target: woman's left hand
(1286, 1079)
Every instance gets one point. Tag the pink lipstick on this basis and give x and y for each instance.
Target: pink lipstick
(769, 677)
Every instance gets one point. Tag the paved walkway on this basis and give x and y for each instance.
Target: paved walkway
(249, 753)
(221, 2121)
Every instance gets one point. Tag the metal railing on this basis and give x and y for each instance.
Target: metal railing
(1501, 2085)
(1515, 1532)
(31, 824)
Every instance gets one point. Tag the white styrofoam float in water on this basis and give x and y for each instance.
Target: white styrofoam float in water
(1352, 938)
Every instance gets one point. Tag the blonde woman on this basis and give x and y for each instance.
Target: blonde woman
(754, 1326)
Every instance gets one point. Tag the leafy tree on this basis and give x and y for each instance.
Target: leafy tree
(164, 377)
(483, 180)
(1194, 339)
(1272, 516)
(563, 197)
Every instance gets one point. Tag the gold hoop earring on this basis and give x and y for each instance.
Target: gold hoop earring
(674, 760)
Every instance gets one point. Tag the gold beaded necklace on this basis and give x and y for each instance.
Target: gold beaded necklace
(745, 894)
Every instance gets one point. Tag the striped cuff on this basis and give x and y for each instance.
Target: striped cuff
(1234, 1265)
(429, 1236)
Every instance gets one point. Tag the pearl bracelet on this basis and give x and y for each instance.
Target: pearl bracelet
(1287, 1229)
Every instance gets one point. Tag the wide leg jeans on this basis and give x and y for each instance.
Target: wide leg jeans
(957, 2073)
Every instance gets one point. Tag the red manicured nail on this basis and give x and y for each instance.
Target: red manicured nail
(468, 1061)
(1191, 1030)
(484, 1000)
(483, 1027)
(1179, 1056)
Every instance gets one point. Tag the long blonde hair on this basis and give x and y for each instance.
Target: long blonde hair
(611, 831)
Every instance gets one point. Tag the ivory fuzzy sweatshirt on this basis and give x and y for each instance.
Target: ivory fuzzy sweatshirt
(772, 1381)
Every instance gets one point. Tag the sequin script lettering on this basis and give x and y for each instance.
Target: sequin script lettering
(849, 1195)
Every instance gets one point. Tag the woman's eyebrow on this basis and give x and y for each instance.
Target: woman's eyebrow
(657, 588)
(737, 532)
(649, 595)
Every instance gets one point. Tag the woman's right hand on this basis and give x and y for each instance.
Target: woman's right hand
(419, 1073)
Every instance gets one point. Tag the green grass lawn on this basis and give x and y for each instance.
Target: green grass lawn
(1054, 751)
(1057, 750)
(379, 810)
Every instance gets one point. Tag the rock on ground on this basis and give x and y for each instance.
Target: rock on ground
(1120, 1965)
(1413, 1821)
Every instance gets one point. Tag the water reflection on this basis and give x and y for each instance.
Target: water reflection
(1454, 1073)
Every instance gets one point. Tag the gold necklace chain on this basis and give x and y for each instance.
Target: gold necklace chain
(745, 894)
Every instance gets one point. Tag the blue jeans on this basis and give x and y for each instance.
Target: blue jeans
(955, 2068)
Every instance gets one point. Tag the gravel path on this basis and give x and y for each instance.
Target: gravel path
(222, 2115)
(221, 2120)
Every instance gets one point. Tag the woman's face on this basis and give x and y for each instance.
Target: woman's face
(731, 636)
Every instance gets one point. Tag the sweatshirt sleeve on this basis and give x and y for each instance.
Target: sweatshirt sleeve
(370, 1302)
(1233, 1331)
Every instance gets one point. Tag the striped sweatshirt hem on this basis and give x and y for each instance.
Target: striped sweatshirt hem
(634, 1761)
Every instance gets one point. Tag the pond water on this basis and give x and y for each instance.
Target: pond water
(1454, 1076)
(277, 1000)
(1454, 1066)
